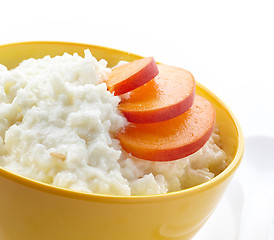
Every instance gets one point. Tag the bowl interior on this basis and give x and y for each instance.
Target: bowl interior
(12, 54)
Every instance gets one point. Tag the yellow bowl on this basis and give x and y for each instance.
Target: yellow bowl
(33, 210)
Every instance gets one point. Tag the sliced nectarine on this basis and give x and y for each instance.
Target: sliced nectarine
(129, 76)
(168, 95)
(172, 139)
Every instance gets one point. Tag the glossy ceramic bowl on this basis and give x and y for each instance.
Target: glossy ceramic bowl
(30, 210)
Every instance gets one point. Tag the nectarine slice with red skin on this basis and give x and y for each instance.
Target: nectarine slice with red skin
(168, 95)
(132, 75)
(172, 139)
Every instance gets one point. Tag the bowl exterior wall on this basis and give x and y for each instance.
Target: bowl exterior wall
(27, 213)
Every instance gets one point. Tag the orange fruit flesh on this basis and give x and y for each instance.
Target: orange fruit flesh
(131, 75)
(172, 139)
(168, 95)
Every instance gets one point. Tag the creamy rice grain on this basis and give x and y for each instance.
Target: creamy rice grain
(57, 126)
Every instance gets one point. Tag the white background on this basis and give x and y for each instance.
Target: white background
(227, 45)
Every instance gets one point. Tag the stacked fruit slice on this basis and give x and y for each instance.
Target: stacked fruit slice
(167, 120)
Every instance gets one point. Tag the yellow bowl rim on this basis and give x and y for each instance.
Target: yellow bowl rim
(40, 186)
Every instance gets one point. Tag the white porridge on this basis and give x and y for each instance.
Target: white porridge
(58, 123)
